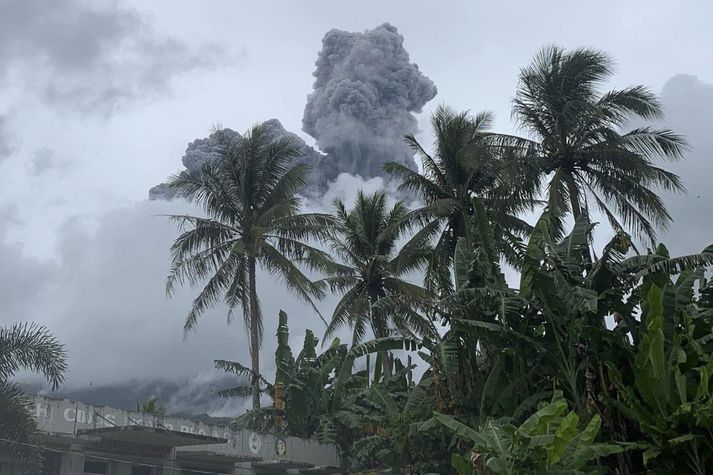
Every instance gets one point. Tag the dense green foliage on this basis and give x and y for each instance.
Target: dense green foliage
(460, 371)
(467, 161)
(548, 442)
(372, 273)
(645, 380)
(598, 361)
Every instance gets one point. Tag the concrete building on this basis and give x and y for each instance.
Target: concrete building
(79, 439)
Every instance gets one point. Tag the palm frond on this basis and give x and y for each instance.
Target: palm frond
(29, 346)
(233, 367)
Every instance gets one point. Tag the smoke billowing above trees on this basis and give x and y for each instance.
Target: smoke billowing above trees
(321, 172)
(365, 92)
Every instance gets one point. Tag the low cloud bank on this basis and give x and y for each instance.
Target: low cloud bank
(103, 296)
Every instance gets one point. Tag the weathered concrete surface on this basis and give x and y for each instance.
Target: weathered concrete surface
(65, 418)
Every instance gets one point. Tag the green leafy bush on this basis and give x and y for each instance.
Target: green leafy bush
(548, 442)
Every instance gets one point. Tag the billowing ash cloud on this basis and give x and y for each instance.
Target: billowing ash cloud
(365, 92)
(198, 153)
(322, 170)
(364, 97)
(201, 151)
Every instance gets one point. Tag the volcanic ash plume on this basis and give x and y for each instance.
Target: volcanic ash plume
(365, 92)
(205, 150)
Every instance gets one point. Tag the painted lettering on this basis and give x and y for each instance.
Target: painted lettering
(69, 414)
(40, 410)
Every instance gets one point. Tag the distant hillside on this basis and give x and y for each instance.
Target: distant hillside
(198, 400)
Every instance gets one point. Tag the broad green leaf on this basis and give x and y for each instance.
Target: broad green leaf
(566, 430)
(544, 440)
(498, 465)
(683, 439)
(651, 367)
(461, 464)
(587, 453)
(536, 423)
(386, 399)
(590, 432)
(491, 385)
(586, 299)
(680, 381)
(651, 454)
(534, 254)
(419, 394)
(458, 428)
(703, 388)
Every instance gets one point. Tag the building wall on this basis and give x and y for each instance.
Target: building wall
(61, 416)
(67, 417)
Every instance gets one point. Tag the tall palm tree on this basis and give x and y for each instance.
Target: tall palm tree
(249, 196)
(467, 161)
(580, 144)
(25, 346)
(373, 270)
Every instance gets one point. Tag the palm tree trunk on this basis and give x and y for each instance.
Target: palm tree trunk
(573, 195)
(368, 370)
(254, 334)
(386, 363)
(378, 328)
(577, 212)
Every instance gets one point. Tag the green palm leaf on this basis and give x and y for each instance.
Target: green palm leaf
(252, 219)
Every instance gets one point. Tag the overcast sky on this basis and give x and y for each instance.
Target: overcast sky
(98, 103)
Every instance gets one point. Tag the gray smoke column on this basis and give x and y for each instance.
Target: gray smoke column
(365, 93)
(198, 152)
(205, 150)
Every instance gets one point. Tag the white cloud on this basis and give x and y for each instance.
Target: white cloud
(93, 57)
(104, 298)
(7, 142)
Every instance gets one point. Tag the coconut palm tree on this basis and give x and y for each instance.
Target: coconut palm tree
(372, 273)
(249, 197)
(151, 406)
(579, 141)
(25, 347)
(468, 161)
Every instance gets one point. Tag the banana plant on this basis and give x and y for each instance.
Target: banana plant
(308, 390)
(573, 297)
(550, 441)
(477, 354)
(384, 418)
(671, 399)
(301, 390)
